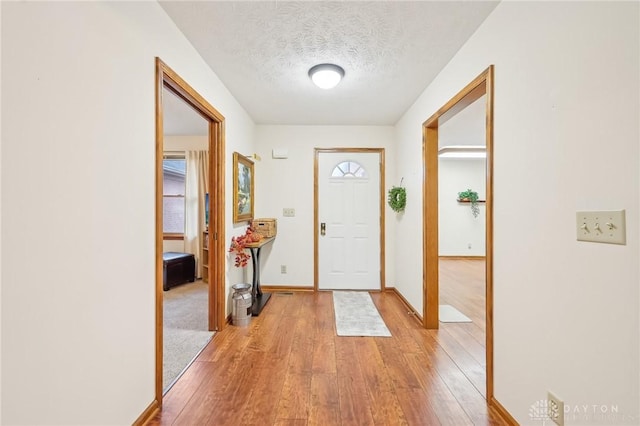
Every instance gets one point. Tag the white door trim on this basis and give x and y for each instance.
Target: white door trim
(316, 222)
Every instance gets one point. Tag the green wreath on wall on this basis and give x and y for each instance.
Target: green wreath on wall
(397, 198)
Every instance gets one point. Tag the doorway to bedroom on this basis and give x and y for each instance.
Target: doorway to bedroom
(185, 193)
(190, 253)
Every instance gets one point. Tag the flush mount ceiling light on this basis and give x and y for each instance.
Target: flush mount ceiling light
(463, 151)
(326, 76)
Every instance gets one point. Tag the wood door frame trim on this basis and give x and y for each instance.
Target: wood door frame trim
(316, 153)
(147, 414)
(166, 77)
(481, 85)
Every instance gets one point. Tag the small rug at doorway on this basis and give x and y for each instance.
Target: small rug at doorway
(356, 315)
(448, 313)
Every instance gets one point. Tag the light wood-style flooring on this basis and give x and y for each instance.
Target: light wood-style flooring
(289, 368)
(462, 285)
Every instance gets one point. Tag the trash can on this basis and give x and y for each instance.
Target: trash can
(241, 310)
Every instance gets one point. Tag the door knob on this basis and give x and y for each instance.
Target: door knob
(323, 229)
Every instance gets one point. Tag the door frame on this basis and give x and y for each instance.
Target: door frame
(481, 85)
(169, 79)
(316, 225)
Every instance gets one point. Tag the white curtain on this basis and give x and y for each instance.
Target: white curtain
(196, 186)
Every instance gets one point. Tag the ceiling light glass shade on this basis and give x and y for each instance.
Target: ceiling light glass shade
(326, 76)
(462, 151)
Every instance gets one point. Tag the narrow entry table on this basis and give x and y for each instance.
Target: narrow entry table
(259, 298)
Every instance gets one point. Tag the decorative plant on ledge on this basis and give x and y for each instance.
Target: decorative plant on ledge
(239, 244)
(471, 197)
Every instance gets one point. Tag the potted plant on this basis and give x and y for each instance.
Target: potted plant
(239, 243)
(470, 196)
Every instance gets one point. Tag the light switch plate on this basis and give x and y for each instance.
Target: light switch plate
(555, 408)
(280, 153)
(602, 226)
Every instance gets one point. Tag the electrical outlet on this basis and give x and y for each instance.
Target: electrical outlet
(283, 269)
(469, 246)
(288, 212)
(555, 409)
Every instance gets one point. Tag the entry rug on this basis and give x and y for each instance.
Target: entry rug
(356, 315)
(448, 313)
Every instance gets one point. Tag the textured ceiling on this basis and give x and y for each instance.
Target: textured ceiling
(390, 51)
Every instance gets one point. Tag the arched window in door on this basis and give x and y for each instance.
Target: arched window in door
(349, 169)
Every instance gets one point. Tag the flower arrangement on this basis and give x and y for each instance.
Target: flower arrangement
(239, 243)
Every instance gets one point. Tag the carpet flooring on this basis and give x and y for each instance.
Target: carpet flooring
(185, 324)
(356, 315)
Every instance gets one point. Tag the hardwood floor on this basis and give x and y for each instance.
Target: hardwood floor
(462, 285)
(289, 368)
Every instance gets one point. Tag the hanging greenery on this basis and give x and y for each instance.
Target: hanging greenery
(397, 198)
(470, 196)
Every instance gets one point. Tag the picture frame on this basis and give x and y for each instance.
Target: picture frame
(243, 188)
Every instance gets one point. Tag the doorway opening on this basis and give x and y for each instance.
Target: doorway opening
(185, 303)
(479, 87)
(213, 239)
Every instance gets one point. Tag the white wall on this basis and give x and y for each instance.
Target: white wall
(457, 228)
(566, 135)
(186, 143)
(173, 245)
(78, 319)
(288, 182)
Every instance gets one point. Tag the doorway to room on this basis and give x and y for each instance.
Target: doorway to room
(185, 167)
(480, 87)
(461, 237)
(213, 239)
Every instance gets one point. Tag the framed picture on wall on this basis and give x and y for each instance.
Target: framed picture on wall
(242, 188)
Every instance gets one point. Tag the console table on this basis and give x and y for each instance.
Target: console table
(259, 298)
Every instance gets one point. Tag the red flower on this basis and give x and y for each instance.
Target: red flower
(238, 245)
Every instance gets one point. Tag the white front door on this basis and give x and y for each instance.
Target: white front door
(349, 220)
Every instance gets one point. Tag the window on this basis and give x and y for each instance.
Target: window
(173, 185)
(349, 169)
